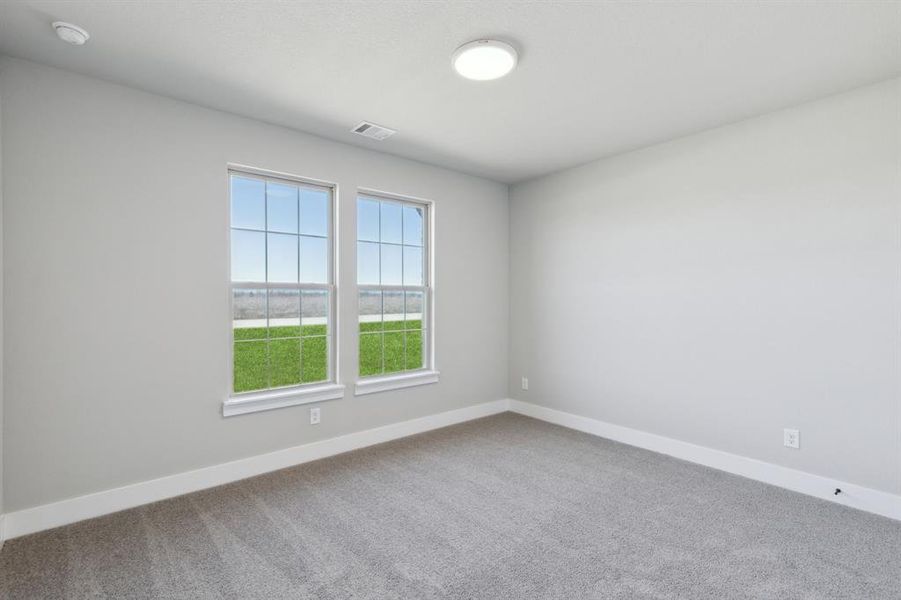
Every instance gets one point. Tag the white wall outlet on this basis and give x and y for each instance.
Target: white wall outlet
(315, 417)
(791, 438)
(525, 383)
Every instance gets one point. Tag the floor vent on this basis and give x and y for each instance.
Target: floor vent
(371, 130)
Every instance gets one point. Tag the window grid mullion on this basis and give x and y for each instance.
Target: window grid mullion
(403, 357)
(381, 281)
(300, 332)
(266, 272)
(309, 235)
(299, 297)
(392, 288)
(381, 316)
(325, 287)
(380, 246)
(297, 199)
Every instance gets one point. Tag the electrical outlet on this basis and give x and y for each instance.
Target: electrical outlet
(525, 383)
(315, 417)
(791, 438)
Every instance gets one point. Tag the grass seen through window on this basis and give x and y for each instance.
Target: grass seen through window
(293, 355)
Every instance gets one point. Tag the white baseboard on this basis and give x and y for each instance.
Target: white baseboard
(39, 518)
(855, 496)
(47, 516)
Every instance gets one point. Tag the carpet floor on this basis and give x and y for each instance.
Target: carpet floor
(503, 507)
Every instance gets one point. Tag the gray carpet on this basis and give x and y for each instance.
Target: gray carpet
(504, 507)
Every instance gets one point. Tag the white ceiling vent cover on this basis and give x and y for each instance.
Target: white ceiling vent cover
(371, 130)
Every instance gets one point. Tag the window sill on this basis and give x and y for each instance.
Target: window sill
(394, 382)
(256, 401)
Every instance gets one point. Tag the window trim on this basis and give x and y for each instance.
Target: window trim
(429, 373)
(248, 402)
(237, 403)
(395, 381)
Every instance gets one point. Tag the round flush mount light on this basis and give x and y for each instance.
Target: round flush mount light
(484, 60)
(71, 34)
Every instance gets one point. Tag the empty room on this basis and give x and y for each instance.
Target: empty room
(543, 300)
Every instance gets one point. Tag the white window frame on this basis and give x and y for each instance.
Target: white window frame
(254, 401)
(429, 373)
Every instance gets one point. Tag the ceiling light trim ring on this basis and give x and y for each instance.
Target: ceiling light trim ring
(485, 59)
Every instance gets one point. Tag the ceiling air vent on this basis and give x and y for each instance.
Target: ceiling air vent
(371, 130)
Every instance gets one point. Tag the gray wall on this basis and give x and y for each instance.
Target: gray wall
(714, 289)
(117, 284)
(1, 309)
(718, 288)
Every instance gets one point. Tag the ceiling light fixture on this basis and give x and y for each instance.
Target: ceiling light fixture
(71, 34)
(484, 60)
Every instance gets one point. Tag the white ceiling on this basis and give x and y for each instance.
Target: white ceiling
(594, 79)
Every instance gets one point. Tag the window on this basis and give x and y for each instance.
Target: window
(282, 284)
(393, 281)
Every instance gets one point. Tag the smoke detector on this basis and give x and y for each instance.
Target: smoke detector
(371, 130)
(71, 34)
